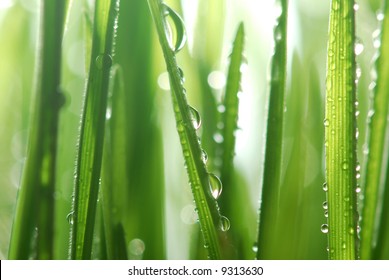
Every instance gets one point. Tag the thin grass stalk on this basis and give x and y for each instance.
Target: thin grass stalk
(378, 122)
(340, 133)
(90, 153)
(269, 208)
(187, 121)
(35, 205)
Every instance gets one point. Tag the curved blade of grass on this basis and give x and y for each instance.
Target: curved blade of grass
(35, 205)
(273, 154)
(92, 131)
(340, 129)
(377, 141)
(209, 216)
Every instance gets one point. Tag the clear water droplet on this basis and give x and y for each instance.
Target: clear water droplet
(358, 46)
(215, 185)
(103, 61)
(345, 165)
(325, 187)
(356, 7)
(224, 223)
(195, 116)
(204, 156)
(180, 127)
(136, 247)
(324, 228)
(255, 247)
(351, 231)
(326, 214)
(70, 218)
(325, 205)
(358, 189)
(181, 73)
(218, 138)
(344, 245)
(326, 122)
(380, 15)
(180, 32)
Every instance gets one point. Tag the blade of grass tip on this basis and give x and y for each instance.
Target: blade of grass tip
(273, 152)
(376, 142)
(82, 217)
(340, 129)
(35, 205)
(233, 200)
(231, 105)
(188, 121)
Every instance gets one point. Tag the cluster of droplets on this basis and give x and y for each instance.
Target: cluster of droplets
(176, 44)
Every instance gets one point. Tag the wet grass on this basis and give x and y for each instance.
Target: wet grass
(173, 133)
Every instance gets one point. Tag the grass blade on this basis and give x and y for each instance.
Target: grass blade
(273, 153)
(187, 122)
(92, 131)
(377, 141)
(231, 104)
(35, 205)
(340, 129)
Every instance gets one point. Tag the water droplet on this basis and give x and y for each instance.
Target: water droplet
(325, 205)
(325, 187)
(345, 165)
(358, 189)
(215, 185)
(103, 61)
(218, 138)
(217, 80)
(224, 223)
(181, 73)
(70, 218)
(255, 247)
(180, 126)
(351, 231)
(344, 245)
(326, 122)
(335, 5)
(358, 46)
(136, 247)
(380, 15)
(324, 228)
(326, 214)
(179, 28)
(195, 116)
(356, 7)
(358, 176)
(204, 156)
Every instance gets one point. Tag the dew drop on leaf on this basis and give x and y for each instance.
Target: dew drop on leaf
(224, 223)
(255, 247)
(103, 61)
(204, 156)
(195, 116)
(70, 218)
(326, 122)
(325, 205)
(179, 28)
(345, 165)
(215, 185)
(324, 228)
(325, 187)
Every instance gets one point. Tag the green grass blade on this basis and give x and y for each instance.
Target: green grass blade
(187, 120)
(340, 129)
(377, 141)
(231, 104)
(273, 153)
(92, 131)
(35, 206)
(381, 251)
